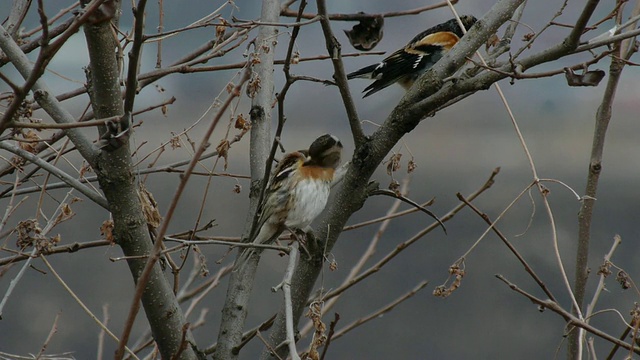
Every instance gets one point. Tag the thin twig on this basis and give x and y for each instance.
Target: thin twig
(16, 280)
(410, 202)
(83, 306)
(203, 291)
(54, 329)
(105, 321)
(570, 318)
(332, 331)
(95, 197)
(379, 312)
(285, 285)
(339, 75)
(377, 266)
(515, 252)
(284, 249)
(601, 286)
(43, 126)
(57, 250)
(362, 16)
(386, 217)
(146, 273)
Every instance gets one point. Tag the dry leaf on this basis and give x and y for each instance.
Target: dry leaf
(221, 29)
(395, 187)
(492, 41)
(28, 231)
(149, 207)
(32, 139)
(295, 58)
(223, 151)
(242, 123)
(587, 78)
(106, 230)
(623, 279)
(393, 164)
(175, 142)
(365, 35)
(85, 169)
(65, 214)
(253, 86)
(411, 166)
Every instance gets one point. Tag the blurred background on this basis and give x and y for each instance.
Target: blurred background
(455, 151)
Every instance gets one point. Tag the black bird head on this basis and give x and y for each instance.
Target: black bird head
(325, 151)
(467, 21)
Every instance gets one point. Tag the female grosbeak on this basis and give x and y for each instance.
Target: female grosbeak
(297, 191)
(419, 55)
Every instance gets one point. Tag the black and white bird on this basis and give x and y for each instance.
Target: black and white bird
(405, 65)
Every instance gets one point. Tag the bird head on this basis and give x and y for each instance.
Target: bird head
(326, 151)
(467, 21)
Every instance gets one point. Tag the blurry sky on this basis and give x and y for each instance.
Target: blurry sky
(455, 151)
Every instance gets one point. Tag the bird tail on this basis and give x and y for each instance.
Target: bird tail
(266, 235)
(364, 73)
(244, 258)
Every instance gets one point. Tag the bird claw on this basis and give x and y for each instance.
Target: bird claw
(117, 134)
(301, 237)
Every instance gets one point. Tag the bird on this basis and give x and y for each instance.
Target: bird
(297, 191)
(405, 65)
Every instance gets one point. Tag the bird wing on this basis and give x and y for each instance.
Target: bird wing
(277, 194)
(418, 56)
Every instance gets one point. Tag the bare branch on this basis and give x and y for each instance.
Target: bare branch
(235, 308)
(66, 178)
(513, 250)
(146, 273)
(570, 318)
(585, 215)
(285, 285)
(381, 311)
(83, 306)
(362, 16)
(334, 48)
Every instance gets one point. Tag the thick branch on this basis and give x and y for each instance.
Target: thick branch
(115, 175)
(363, 16)
(236, 304)
(585, 215)
(339, 75)
(45, 98)
(74, 183)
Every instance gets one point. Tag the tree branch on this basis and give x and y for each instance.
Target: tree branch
(236, 303)
(585, 215)
(363, 16)
(74, 183)
(334, 49)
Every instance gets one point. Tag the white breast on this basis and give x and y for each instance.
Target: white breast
(311, 199)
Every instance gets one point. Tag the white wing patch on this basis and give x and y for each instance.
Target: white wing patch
(378, 71)
(417, 62)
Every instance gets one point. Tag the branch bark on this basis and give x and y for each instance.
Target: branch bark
(44, 97)
(115, 176)
(603, 116)
(234, 311)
